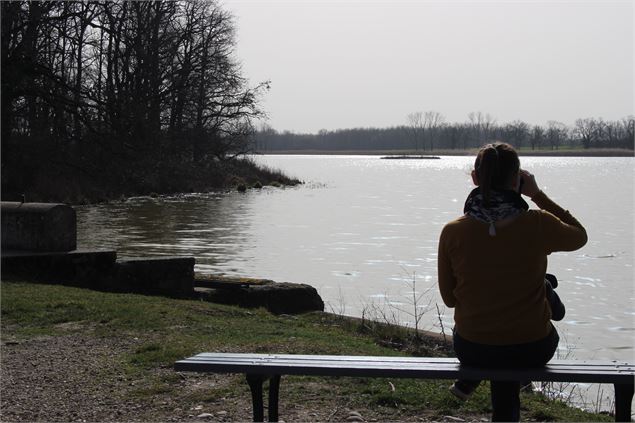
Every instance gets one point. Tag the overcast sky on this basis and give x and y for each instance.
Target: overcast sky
(344, 63)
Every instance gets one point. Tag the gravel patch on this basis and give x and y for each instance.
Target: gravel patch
(66, 378)
(81, 378)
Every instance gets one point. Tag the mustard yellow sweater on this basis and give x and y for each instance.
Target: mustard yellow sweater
(496, 283)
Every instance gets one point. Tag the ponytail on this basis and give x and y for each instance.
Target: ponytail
(495, 165)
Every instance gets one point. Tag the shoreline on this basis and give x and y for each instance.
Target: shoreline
(469, 152)
(60, 184)
(132, 358)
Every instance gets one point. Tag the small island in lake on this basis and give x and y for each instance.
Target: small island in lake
(410, 157)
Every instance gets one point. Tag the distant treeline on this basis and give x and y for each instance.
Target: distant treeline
(119, 89)
(428, 131)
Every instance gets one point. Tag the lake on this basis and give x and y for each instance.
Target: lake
(364, 232)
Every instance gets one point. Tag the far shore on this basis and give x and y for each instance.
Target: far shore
(578, 152)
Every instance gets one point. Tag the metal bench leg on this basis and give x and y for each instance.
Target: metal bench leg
(623, 398)
(255, 385)
(274, 389)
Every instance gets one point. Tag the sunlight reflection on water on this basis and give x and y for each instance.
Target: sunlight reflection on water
(361, 228)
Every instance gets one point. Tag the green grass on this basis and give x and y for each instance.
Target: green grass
(170, 329)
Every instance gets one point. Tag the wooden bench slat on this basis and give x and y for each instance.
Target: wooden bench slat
(403, 367)
(258, 367)
(380, 359)
(284, 367)
(373, 361)
(455, 369)
(396, 366)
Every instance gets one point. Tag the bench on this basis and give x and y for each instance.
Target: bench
(260, 367)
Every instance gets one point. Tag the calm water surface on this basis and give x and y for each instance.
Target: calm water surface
(362, 229)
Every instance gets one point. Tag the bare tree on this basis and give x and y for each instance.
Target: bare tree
(489, 124)
(628, 127)
(556, 133)
(585, 130)
(129, 77)
(481, 125)
(517, 133)
(417, 127)
(432, 121)
(264, 136)
(537, 137)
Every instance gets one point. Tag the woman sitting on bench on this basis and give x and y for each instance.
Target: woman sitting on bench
(492, 264)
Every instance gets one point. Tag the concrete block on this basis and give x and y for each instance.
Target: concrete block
(38, 226)
(170, 276)
(77, 268)
(283, 298)
(277, 297)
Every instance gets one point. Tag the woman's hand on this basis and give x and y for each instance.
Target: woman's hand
(528, 185)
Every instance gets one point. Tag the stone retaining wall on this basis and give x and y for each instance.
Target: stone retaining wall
(38, 226)
(172, 276)
(100, 270)
(39, 243)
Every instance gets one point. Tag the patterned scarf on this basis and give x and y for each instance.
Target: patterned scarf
(502, 205)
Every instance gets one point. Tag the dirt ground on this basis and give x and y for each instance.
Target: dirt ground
(82, 379)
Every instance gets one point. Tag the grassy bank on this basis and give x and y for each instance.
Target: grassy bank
(562, 152)
(71, 354)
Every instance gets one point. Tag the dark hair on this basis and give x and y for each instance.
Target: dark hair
(495, 165)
